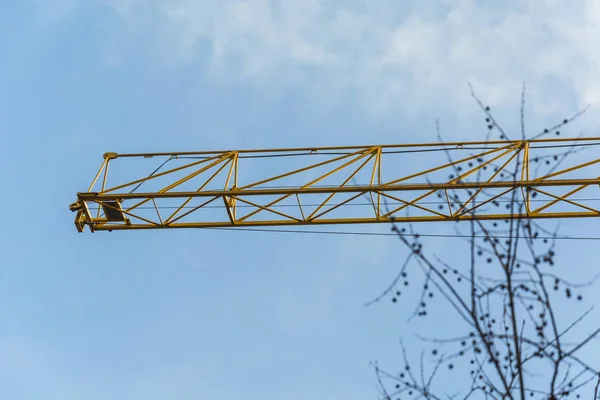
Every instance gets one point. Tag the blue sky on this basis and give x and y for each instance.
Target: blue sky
(228, 315)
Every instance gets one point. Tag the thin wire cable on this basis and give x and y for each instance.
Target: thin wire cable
(556, 146)
(320, 232)
(151, 175)
(442, 202)
(429, 150)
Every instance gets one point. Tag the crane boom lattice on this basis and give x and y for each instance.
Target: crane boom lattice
(493, 180)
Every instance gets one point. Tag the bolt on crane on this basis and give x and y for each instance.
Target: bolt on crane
(427, 182)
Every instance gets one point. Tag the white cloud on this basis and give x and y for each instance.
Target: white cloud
(393, 57)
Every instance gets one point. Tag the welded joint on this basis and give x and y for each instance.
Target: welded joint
(110, 155)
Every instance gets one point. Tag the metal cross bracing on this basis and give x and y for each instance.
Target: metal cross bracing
(543, 178)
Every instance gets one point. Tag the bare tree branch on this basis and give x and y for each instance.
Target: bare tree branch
(513, 344)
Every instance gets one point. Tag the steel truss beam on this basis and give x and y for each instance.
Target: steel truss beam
(207, 190)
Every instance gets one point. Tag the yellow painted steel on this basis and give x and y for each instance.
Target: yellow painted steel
(394, 197)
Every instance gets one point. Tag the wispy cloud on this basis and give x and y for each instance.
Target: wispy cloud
(387, 53)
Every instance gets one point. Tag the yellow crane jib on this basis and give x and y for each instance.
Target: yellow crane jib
(542, 178)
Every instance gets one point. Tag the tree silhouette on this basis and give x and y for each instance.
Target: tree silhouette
(504, 297)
